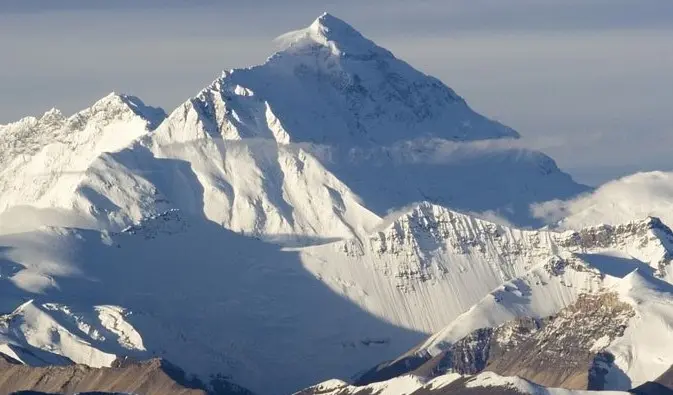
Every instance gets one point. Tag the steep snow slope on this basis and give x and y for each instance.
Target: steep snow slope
(635, 347)
(81, 337)
(644, 352)
(44, 159)
(619, 201)
(431, 264)
(216, 303)
(255, 187)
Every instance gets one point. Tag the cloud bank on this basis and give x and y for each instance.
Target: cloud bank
(617, 202)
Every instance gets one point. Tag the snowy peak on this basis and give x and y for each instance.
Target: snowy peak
(53, 116)
(332, 32)
(353, 93)
(648, 240)
(427, 216)
(44, 159)
(121, 107)
(333, 28)
(111, 108)
(428, 227)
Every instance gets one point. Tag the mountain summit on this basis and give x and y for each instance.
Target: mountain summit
(359, 111)
(353, 93)
(332, 32)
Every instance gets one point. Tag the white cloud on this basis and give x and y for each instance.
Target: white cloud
(628, 199)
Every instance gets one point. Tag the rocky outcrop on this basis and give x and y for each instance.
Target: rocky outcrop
(567, 352)
(471, 354)
(150, 377)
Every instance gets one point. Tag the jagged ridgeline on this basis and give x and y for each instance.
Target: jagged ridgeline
(306, 219)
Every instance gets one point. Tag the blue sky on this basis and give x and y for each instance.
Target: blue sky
(590, 82)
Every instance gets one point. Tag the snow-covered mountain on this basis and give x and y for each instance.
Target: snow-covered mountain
(43, 159)
(268, 232)
(250, 153)
(590, 279)
(613, 339)
(431, 264)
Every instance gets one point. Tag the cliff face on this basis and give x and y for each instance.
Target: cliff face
(567, 352)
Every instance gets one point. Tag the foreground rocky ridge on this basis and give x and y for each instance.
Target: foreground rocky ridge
(613, 339)
(151, 377)
(486, 383)
(564, 350)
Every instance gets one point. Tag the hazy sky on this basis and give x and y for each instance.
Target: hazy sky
(590, 82)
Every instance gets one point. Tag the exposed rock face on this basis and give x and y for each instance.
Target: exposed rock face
(649, 234)
(560, 351)
(566, 352)
(151, 377)
(471, 354)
